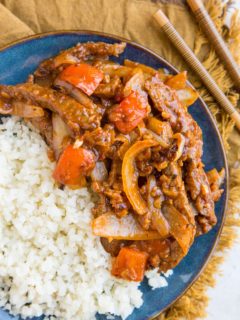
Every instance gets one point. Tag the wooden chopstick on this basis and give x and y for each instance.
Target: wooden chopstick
(215, 39)
(197, 66)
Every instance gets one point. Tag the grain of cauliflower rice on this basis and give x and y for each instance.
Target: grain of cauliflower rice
(50, 262)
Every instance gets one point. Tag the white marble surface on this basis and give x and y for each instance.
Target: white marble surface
(225, 296)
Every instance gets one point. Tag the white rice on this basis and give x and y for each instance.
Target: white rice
(50, 263)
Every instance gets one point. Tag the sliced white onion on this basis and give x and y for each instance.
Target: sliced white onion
(61, 134)
(99, 173)
(180, 143)
(75, 93)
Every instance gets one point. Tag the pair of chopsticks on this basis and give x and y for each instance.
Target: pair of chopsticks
(220, 47)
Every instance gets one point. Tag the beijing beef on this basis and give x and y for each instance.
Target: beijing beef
(125, 131)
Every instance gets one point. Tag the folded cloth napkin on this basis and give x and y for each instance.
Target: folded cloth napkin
(133, 19)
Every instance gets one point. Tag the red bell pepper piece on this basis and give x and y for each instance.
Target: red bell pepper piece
(129, 113)
(83, 76)
(73, 165)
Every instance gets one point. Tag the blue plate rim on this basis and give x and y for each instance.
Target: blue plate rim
(175, 70)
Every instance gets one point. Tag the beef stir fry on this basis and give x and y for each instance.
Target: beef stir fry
(125, 131)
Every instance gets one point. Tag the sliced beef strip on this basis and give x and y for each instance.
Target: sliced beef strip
(76, 116)
(114, 246)
(44, 126)
(20, 109)
(164, 254)
(171, 260)
(172, 186)
(81, 52)
(108, 90)
(199, 189)
(100, 139)
(166, 101)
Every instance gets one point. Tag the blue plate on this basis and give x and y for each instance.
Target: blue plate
(21, 58)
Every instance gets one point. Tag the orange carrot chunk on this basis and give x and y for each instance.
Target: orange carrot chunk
(130, 264)
(129, 113)
(73, 165)
(83, 76)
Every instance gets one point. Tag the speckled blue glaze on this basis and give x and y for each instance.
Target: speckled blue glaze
(21, 59)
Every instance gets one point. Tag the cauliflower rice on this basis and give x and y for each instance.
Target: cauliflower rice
(50, 263)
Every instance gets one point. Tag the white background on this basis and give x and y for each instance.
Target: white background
(225, 296)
